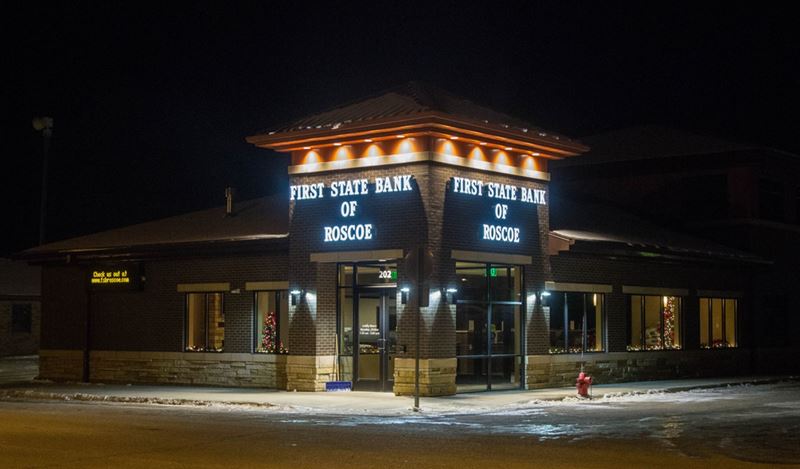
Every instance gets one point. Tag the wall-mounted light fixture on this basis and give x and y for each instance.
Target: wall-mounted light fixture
(404, 295)
(450, 295)
(294, 295)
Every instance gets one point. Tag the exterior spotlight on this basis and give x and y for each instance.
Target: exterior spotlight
(545, 293)
(404, 295)
(450, 295)
(294, 295)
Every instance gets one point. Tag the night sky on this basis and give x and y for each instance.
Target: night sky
(152, 101)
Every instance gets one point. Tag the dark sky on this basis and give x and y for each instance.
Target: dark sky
(152, 101)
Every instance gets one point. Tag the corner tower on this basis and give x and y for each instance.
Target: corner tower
(412, 167)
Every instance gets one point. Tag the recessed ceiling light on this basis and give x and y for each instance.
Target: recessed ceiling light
(483, 143)
(401, 136)
(306, 148)
(508, 148)
(368, 140)
(534, 154)
(454, 137)
(337, 144)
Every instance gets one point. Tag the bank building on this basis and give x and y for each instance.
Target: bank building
(522, 286)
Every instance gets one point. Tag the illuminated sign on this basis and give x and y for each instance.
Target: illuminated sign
(348, 209)
(387, 275)
(499, 230)
(114, 277)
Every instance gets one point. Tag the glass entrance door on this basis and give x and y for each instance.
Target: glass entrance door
(375, 333)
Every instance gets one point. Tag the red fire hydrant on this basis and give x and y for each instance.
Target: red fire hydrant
(583, 384)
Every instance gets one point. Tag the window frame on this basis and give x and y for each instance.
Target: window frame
(565, 315)
(205, 320)
(723, 322)
(278, 311)
(28, 310)
(643, 322)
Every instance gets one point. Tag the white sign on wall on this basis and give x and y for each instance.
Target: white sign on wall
(348, 209)
(499, 230)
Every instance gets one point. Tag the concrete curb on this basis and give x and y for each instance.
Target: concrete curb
(33, 395)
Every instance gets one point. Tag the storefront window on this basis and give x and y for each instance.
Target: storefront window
(654, 323)
(488, 326)
(718, 322)
(205, 322)
(271, 322)
(576, 322)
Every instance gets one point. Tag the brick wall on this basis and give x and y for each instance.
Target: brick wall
(429, 215)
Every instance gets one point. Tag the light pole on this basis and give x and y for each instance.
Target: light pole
(44, 125)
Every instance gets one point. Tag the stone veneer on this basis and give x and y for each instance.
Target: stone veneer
(545, 371)
(309, 372)
(199, 368)
(61, 365)
(437, 376)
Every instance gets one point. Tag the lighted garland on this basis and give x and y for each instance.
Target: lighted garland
(270, 342)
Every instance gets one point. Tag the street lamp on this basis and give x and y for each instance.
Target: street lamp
(45, 126)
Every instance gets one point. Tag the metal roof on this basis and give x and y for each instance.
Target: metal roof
(650, 142)
(409, 100)
(596, 223)
(256, 219)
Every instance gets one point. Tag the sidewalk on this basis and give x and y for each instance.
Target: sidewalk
(348, 403)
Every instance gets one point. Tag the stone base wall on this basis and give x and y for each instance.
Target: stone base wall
(61, 365)
(199, 368)
(211, 369)
(544, 371)
(309, 372)
(437, 376)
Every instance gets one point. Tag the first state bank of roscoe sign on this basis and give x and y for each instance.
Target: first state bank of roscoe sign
(350, 190)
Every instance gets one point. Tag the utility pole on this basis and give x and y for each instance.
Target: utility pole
(45, 126)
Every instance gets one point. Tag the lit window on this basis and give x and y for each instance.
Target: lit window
(271, 322)
(718, 322)
(654, 323)
(205, 322)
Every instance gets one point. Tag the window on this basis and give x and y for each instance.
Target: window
(21, 318)
(654, 323)
(205, 322)
(718, 322)
(271, 322)
(576, 322)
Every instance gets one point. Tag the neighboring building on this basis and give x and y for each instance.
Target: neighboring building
(743, 196)
(317, 285)
(20, 310)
